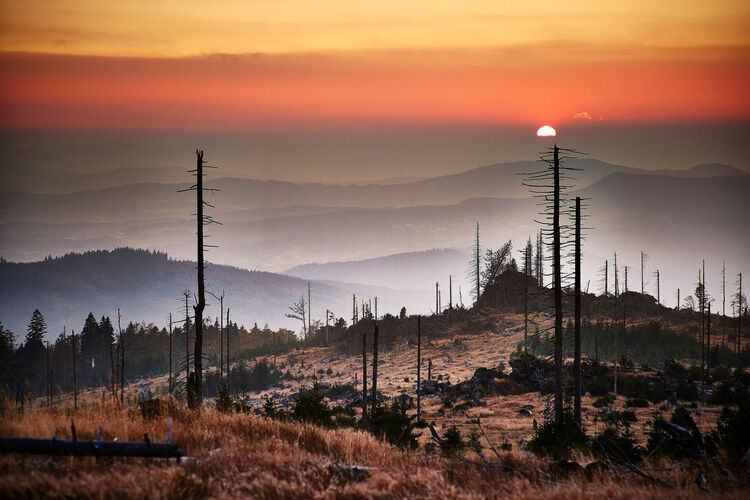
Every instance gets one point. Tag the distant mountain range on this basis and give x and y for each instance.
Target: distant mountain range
(31, 179)
(147, 286)
(278, 226)
(421, 267)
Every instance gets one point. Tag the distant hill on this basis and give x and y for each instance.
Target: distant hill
(40, 180)
(705, 170)
(392, 270)
(147, 286)
(141, 200)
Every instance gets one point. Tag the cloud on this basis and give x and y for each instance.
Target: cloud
(583, 115)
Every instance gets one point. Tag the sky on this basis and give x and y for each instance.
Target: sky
(350, 65)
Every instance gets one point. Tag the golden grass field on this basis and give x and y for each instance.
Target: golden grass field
(251, 456)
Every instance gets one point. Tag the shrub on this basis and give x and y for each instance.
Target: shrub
(599, 386)
(558, 442)
(637, 402)
(604, 401)
(732, 428)
(474, 442)
(664, 440)
(617, 442)
(223, 401)
(310, 406)
(452, 445)
(393, 424)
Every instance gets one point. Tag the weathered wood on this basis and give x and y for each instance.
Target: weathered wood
(58, 447)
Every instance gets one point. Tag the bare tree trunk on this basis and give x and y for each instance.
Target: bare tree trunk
(374, 367)
(708, 342)
(170, 354)
(75, 381)
(437, 300)
(221, 338)
(186, 293)
(364, 375)
(558, 293)
(739, 323)
(309, 310)
(577, 355)
(112, 381)
(200, 306)
(527, 269)
(122, 359)
(419, 367)
(228, 330)
(477, 262)
(49, 388)
(450, 292)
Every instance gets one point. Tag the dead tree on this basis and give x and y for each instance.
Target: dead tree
(309, 310)
(112, 380)
(220, 298)
(75, 381)
(121, 342)
(723, 300)
(539, 182)
(354, 309)
(539, 260)
(419, 366)
(643, 267)
(527, 270)
(450, 292)
(170, 355)
(298, 311)
(739, 319)
(49, 387)
(374, 366)
(708, 342)
(364, 375)
(328, 312)
(658, 287)
(474, 273)
(228, 330)
(202, 220)
(186, 294)
(556, 244)
(577, 354)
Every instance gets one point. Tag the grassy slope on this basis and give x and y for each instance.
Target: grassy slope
(247, 455)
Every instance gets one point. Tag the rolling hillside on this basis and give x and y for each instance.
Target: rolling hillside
(147, 286)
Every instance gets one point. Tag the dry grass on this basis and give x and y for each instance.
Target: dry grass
(247, 455)
(250, 456)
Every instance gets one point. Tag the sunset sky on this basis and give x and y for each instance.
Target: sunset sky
(297, 64)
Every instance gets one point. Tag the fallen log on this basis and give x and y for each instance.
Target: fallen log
(96, 448)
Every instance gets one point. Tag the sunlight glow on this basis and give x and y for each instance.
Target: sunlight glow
(546, 131)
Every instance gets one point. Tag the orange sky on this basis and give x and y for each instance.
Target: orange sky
(300, 64)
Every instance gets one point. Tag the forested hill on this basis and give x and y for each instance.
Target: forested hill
(147, 286)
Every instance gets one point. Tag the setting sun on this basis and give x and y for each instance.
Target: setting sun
(546, 131)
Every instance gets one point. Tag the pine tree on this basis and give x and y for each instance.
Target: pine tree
(36, 331)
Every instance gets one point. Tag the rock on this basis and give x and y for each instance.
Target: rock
(351, 472)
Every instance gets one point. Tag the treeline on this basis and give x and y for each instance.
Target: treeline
(101, 354)
(641, 344)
